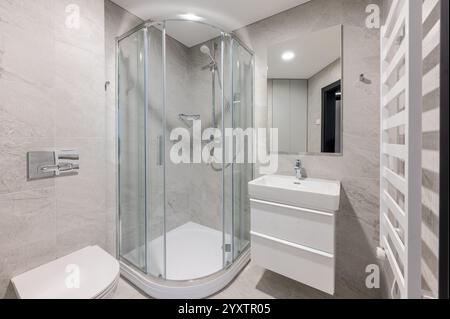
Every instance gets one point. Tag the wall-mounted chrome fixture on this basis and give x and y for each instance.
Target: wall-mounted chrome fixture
(365, 80)
(298, 170)
(189, 117)
(52, 164)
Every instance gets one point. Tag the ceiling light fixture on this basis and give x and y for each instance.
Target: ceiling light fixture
(288, 56)
(191, 17)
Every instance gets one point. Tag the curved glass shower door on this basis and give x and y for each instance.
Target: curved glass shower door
(183, 213)
(194, 197)
(242, 97)
(141, 157)
(132, 155)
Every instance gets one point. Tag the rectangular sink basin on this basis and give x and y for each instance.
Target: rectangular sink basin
(309, 193)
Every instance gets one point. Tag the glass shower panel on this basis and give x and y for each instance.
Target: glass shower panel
(229, 154)
(155, 155)
(132, 149)
(242, 101)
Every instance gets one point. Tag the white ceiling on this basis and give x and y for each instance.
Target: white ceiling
(230, 15)
(313, 53)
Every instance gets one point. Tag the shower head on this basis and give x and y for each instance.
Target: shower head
(205, 50)
(212, 66)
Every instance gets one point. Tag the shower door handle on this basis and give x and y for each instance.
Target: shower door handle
(160, 158)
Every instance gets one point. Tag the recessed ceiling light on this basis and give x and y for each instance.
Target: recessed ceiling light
(191, 17)
(288, 56)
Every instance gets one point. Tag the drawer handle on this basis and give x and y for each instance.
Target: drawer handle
(305, 210)
(287, 243)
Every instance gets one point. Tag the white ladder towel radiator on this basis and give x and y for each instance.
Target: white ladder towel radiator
(401, 144)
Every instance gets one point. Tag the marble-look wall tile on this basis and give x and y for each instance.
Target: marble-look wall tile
(13, 163)
(28, 215)
(79, 95)
(21, 21)
(25, 79)
(81, 200)
(90, 35)
(52, 89)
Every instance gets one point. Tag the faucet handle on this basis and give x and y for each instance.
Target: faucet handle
(298, 169)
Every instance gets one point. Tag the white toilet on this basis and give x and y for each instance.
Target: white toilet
(90, 273)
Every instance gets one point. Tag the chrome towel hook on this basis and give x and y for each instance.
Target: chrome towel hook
(363, 79)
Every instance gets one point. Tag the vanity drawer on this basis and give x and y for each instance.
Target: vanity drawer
(312, 268)
(304, 227)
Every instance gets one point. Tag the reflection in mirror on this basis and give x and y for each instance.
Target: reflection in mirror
(305, 93)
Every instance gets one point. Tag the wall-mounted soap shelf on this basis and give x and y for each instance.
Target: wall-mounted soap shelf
(50, 164)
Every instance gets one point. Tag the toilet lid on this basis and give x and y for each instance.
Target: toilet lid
(84, 274)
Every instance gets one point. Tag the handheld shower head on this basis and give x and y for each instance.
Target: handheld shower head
(205, 50)
(212, 66)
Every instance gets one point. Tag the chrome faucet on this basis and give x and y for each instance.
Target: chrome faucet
(298, 170)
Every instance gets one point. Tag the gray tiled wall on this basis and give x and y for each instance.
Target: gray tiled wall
(52, 97)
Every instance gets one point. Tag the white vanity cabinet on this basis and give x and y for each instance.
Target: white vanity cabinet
(294, 241)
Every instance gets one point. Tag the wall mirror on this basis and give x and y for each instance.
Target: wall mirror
(305, 93)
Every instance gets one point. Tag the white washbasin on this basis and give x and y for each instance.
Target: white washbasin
(307, 193)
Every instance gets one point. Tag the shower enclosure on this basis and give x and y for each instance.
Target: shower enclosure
(183, 228)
